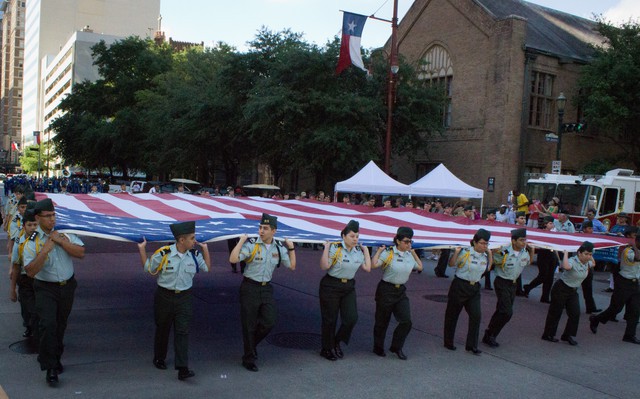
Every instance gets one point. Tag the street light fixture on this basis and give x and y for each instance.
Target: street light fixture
(561, 101)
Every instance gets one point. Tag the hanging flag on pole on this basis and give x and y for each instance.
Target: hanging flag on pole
(352, 26)
(15, 146)
(36, 134)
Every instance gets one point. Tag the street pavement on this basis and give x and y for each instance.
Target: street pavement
(109, 342)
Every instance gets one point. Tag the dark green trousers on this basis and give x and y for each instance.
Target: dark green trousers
(626, 292)
(391, 300)
(27, 298)
(337, 298)
(462, 294)
(258, 314)
(172, 309)
(506, 294)
(53, 306)
(563, 297)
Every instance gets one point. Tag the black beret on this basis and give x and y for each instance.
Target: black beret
(181, 228)
(30, 196)
(586, 246)
(29, 216)
(353, 225)
(548, 219)
(520, 213)
(492, 211)
(22, 201)
(405, 232)
(44, 205)
(482, 234)
(587, 223)
(269, 220)
(518, 233)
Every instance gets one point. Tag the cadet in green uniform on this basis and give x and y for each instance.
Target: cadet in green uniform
(626, 292)
(19, 277)
(509, 263)
(464, 291)
(257, 307)
(15, 225)
(48, 258)
(10, 206)
(337, 289)
(564, 295)
(175, 266)
(397, 264)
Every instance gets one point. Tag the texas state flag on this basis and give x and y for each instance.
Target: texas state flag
(352, 25)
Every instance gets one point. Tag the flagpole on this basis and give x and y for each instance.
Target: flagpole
(393, 70)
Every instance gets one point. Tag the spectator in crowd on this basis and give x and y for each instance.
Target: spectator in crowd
(598, 227)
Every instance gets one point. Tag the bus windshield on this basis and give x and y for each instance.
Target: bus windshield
(575, 199)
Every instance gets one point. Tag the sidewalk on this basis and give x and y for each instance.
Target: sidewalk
(109, 342)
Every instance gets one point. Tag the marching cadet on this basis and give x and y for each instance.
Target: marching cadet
(564, 295)
(10, 206)
(48, 258)
(626, 292)
(257, 307)
(464, 291)
(337, 289)
(175, 266)
(510, 261)
(15, 225)
(397, 264)
(19, 277)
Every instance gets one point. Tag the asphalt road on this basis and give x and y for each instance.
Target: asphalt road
(109, 342)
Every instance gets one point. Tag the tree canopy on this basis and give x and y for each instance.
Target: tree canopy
(610, 88)
(195, 112)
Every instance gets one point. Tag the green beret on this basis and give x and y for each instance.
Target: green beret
(31, 205)
(269, 220)
(482, 234)
(518, 233)
(179, 229)
(468, 208)
(405, 232)
(520, 213)
(586, 246)
(29, 216)
(352, 226)
(587, 223)
(548, 219)
(22, 201)
(44, 205)
(30, 196)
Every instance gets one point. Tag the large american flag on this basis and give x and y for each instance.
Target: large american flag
(129, 217)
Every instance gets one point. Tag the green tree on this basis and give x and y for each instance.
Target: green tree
(101, 125)
(610, 88)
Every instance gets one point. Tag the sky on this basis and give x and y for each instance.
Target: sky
(236, 22)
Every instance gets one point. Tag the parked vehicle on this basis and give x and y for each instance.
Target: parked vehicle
(617, 191)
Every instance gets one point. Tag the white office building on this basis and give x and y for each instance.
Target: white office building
(55, 32)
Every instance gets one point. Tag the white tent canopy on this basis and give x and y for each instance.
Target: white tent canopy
(440, 182)
(372, 180)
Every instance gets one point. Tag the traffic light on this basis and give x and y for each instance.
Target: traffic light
(581, 127)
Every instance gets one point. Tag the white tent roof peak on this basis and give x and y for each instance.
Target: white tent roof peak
(372, 180)
(441, 182)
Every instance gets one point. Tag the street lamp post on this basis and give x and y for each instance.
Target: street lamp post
(36, 134)
(393, 70)
(560, 103)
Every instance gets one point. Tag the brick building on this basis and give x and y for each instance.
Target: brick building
(503, 63)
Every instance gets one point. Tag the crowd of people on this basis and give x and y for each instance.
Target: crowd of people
(42, 279)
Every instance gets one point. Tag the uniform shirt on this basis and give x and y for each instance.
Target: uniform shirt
(265, 259)
(397, 267)
(628, 267)
(510, 263)
(567, 226)
(59, 265)
(471, 264)
(344, 263)
(178, 269)
(578, 272)
(15, 227)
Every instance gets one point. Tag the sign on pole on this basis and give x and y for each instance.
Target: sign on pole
(556, 166)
